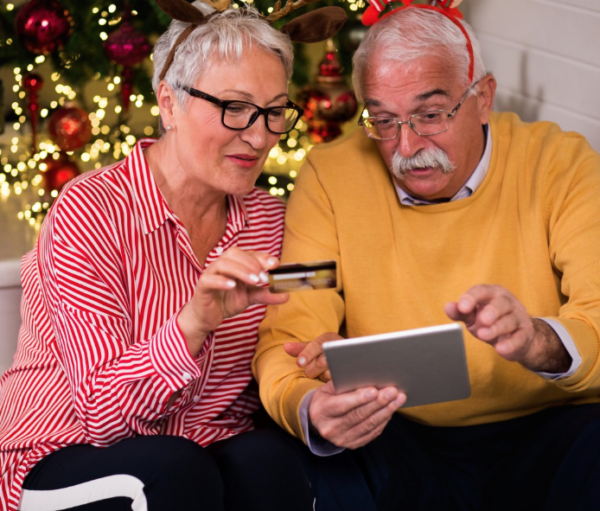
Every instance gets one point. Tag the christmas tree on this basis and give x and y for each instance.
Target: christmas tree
(92, 65)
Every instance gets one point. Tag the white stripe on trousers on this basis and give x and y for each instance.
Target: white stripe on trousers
(109, 487)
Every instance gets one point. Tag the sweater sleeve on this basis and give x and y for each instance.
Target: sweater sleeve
(121, 386)
(310, 235)
(573, 210)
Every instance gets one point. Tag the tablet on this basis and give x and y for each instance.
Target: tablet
(428, 364)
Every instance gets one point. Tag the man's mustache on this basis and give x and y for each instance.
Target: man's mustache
(426, 158)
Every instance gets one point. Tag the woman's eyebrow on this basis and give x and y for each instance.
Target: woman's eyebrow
(250, 97)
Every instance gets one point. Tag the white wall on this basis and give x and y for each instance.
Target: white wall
(545, 55)
(10, 317)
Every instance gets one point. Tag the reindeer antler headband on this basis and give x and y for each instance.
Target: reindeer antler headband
(312, 27)
(448, 8)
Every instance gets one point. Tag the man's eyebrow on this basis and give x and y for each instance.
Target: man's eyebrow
(434, 92)
(421, 97)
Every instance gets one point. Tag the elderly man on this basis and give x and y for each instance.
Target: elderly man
(441, 210)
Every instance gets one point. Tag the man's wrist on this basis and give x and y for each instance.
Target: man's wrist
(552, 356)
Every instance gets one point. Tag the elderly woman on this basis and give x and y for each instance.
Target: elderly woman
(131, 387)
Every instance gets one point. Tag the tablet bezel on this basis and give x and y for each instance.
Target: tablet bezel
(428, 364)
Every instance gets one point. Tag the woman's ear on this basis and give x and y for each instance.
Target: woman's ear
(167, 103)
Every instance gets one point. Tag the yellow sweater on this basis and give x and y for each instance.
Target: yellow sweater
(533, 226)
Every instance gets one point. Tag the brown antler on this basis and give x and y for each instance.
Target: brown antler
(180, 10)
(290, 6)
(315, 26)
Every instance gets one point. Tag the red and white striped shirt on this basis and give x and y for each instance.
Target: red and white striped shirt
(100, 353)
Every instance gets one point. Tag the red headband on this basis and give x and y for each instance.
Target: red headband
(376, 7)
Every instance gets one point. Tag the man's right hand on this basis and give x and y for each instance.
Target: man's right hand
(353, 419)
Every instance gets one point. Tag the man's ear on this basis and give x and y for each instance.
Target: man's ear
(485, 97)
(167, 102)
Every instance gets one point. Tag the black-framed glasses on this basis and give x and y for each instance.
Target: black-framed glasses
(425, 124)
(239, 115)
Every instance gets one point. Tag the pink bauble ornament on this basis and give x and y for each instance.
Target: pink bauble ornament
(70, 128)
(126, 46)
(43, 26)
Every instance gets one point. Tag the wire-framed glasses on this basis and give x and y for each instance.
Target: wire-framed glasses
(425, 124)
(239, 115)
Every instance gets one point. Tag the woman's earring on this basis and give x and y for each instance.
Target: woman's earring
(169, 128)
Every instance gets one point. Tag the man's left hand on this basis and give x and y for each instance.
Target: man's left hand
(310, 356)
(495, 316)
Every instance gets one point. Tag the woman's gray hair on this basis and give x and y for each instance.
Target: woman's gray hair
(413, 34)
(225, 36)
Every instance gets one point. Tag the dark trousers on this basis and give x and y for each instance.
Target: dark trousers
(546, 461)
(258, 470)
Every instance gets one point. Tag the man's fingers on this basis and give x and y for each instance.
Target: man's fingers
(477, 296)
(326, 403)
(316, 367)
(326, 376)
(356, 443)
(507, 325)
(500, 306)
(328, 336)
(451, 309)
(385, 416)
(366, 422)
(372, 413)
(512, 347)
(309, 354)
(294, 348)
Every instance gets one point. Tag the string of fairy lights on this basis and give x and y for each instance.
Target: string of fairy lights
(22, 168)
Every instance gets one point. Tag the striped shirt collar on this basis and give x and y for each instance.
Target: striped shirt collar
(469, 187)
(152, 206)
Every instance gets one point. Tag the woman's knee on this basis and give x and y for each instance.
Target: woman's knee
(179, 460)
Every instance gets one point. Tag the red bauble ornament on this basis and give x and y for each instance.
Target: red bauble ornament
(58, 172)
(43, 26)
(32, 83)
(329, 102)
(70, 128)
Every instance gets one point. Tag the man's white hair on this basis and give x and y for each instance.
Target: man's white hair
(413, 34)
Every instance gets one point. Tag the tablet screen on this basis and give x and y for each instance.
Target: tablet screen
(428, 364)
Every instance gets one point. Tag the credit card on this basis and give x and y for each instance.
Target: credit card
(303, 277)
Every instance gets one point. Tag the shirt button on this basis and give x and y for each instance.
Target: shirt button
(187, 377)
(219, 250)
(195, 399)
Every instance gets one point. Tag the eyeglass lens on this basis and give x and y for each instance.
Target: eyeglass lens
(240, 115)
(428, 123)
